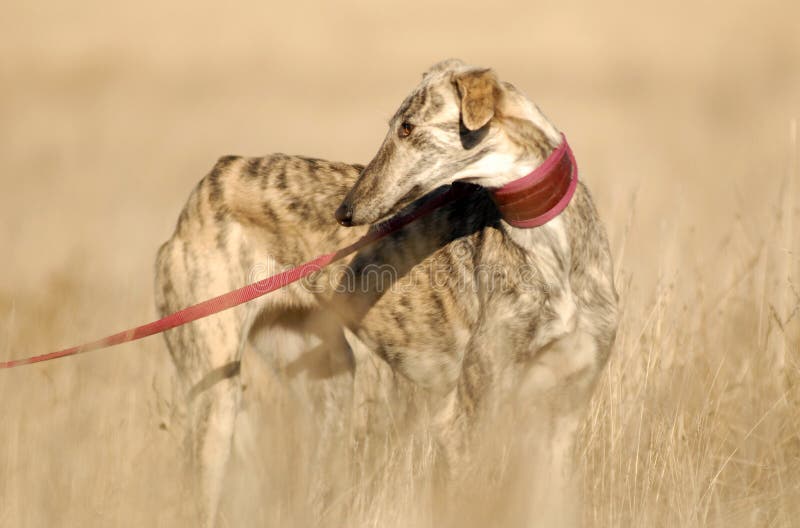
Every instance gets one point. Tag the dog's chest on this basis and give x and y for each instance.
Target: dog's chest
(484, 295)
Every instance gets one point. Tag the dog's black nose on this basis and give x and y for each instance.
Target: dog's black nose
(344, 215)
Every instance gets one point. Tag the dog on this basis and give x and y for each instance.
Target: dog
(419, 313)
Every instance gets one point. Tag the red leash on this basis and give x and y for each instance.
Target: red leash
(527, 202)
(249, 292)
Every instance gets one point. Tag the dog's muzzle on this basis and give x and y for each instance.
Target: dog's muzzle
(344, 214)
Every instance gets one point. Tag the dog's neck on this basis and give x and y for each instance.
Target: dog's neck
(539, 196)
(532, 173)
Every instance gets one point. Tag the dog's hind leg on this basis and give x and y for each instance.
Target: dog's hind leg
(248, 216)
(207, 354)
(212, 418)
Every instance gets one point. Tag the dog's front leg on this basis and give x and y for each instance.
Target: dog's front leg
(555, 388)
(456, 414)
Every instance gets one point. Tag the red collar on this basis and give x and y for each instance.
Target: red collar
(537, 198)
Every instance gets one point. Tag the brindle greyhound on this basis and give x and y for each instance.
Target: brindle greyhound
(436, 317)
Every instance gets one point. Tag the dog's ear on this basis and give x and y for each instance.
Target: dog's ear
(445, 65)
(479, 92)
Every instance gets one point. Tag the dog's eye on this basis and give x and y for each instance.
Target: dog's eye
(405, 129)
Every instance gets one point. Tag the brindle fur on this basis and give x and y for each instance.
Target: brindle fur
(462, 342)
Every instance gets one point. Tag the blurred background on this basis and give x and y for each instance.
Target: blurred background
(683, 117)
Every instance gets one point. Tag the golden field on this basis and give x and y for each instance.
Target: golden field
(684, 119)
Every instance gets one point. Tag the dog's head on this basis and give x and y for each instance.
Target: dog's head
(460, 124)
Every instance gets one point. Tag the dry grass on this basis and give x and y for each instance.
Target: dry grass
(683, 129)
(696, 421)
